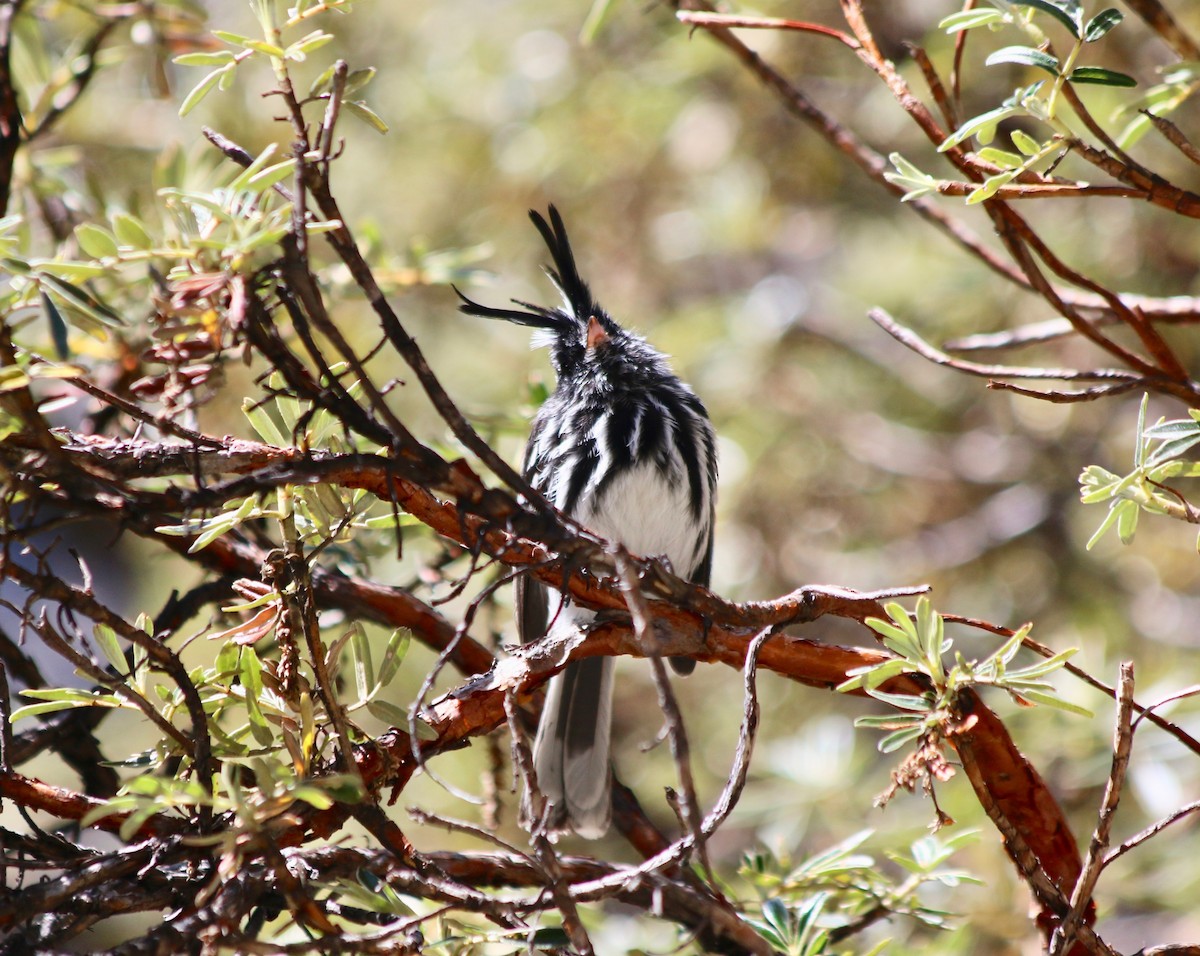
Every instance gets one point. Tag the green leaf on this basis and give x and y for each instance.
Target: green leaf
(1172, 449)
(264, 180)
(1139, 449)
(907, 175)
(888, 722)
(110, 645)
(251, 674)
(212, 529)
(219, 58)
(896, 639)
(366, 114)
(358, 79)
(1101, 23)
(1172, 428)
(13, 377)
(1001, 157)
(775, 912)
(1067, 12)
(70, 270)
(871, 677)
(299, 50)
(79, 299)
(364, 667)
(95, 241)
(1025, 143)
(263, 423)
(983, 126)
(900, 738)
(836, 859)
(597, 16)
(393, 656)
(235, 38)
(991, 186)
(55, 371)
(1109, 520)
(259, 163)
(913, 702)
(314, 797)
(131, 232)
(1025, 56)
(110, 808)
(1099, 76)
(66, 698)
(58, 327)
(1008, 650)
(262, 46)
(202, 89)
(1050, 700)
(389, 713)
(970, 19)
(383, 898)
(1127, 519)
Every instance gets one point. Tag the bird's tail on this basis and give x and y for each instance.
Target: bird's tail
(571, 752)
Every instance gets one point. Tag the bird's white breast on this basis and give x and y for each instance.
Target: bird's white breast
(649, 513)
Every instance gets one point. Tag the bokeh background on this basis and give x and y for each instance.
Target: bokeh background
(740, 243)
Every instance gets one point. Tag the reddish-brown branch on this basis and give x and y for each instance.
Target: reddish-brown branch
(731, 21)
(1019, 803)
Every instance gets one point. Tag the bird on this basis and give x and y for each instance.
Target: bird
(627, 450)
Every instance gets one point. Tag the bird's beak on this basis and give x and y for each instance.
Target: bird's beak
(595, 333)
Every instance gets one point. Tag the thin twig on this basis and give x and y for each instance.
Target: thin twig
(1151, 831)
(543, 850)
(1093, 863)
(676, 734)
(909, 338)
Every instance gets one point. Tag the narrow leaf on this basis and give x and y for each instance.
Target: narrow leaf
(201, 90)
(364, 668)
(1025, 56)
(1025, 143)
(991, 186)
(110, 645)
(894, 741)
(388, 712)
(911, 702)
(983, 126)
(1066, 12)
(58, 327)
(1109, 520)
(1099, 76)
(1049, 700)
(394, 655)
(1127, 520)
(219, 58)
(366, 114)
(131, 232)
(970, 19)
(1101, 23)
(1001, 157)
(95, 240)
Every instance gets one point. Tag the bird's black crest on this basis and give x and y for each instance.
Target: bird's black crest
(563, 273)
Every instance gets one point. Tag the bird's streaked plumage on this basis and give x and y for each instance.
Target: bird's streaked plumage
(626, 449)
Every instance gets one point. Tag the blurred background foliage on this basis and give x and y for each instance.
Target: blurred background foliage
(739, 242)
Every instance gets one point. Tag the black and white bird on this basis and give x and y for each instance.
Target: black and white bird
(627, 450)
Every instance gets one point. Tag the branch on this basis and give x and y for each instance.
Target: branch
(1081, 896)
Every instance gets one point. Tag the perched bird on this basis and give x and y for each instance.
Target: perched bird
(627, 450)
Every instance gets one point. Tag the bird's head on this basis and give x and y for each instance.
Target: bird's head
(580, 334)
